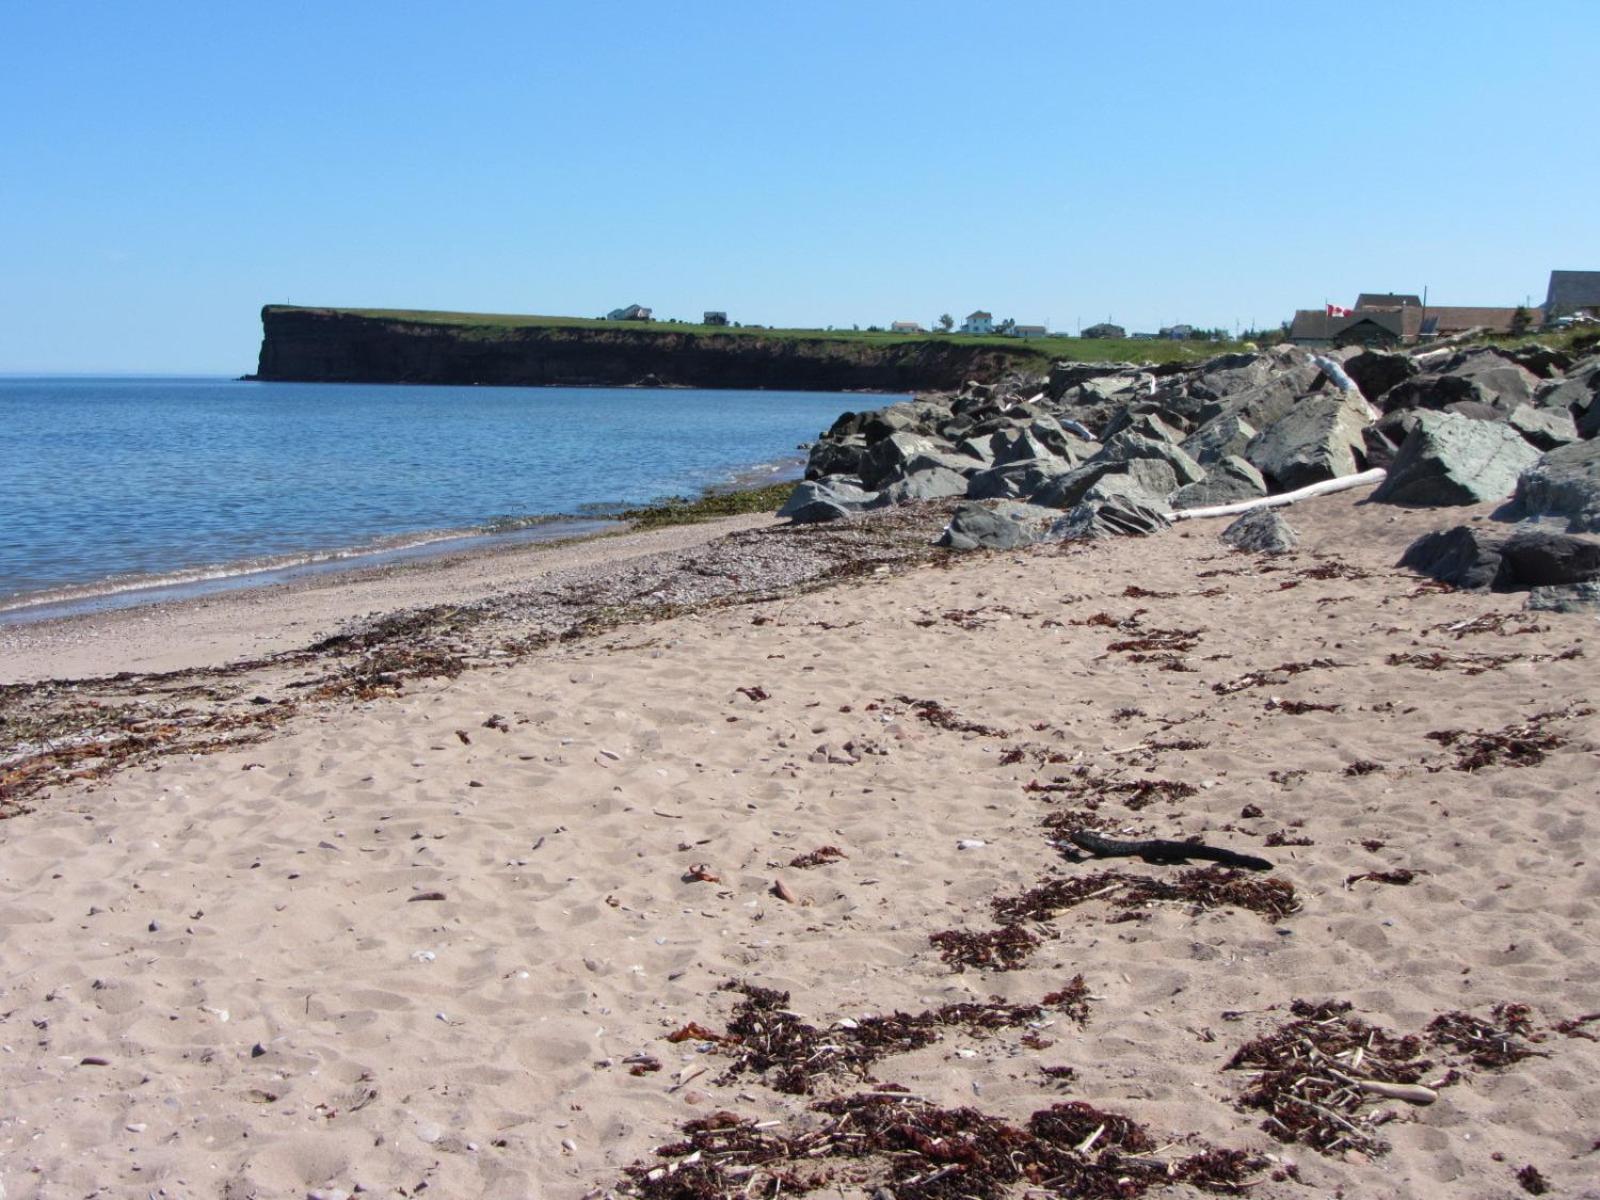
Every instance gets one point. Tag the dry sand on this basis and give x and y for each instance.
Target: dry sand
(217, 980)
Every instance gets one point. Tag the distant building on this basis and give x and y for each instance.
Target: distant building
(1029, 331)
(1398, 325)
(1572, 292)
(715, 318)
(1104, 330)
(634, 312)
(906, 327)
(1178, 333)
(1379, 300)
(978, 322)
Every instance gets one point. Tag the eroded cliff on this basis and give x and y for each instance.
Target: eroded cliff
(344, 346)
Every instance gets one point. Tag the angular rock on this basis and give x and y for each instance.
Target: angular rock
(1225, 435)
(886, 459)
(936, 484)
(1128, 445)
(1571, 598)
(1230, 481)
(961, 464)
(1467, 556)
(1450, 459)
(1545, 558)
(1116, 516)
(1014, 480)
(1318, 439)
(1152, 476)
(1544, 428)
(974, 527)
(1376, 371)
(1481, 374)
(1564, 483)
(836, 457)
(1263, 531)
(1020, 448)
(827, 499)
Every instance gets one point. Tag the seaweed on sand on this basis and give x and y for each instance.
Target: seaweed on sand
(889, 1141)
(1204, 888)
(764, 1037)
(1005, 949)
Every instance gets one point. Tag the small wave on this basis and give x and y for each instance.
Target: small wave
(125, 591)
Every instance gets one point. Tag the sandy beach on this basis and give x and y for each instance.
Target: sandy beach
(429, 931)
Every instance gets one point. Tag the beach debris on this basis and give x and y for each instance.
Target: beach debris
(820, 857)
(1296, 708)
(1159, 850)
(1202, 887)
(755, 694)
(1400, 877)
(1522, 745)
(971, 844)
(425, 896)
(941, 717)
(1272, 676)
(1316, 1075)
(1005, 949)
(765, 1037)
(783, 892)
(464, 737)
(887, 1143)
(1488, 1043)
(701, 873)
(1531, 1181)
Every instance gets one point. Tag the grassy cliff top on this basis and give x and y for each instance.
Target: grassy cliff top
(1043, 350)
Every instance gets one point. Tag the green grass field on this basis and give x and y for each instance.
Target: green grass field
(489, 326)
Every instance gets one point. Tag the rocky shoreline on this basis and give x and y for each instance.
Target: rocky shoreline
(1107, 449)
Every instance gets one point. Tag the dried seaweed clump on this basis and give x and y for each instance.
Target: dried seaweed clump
(1203, 887)
(1493, 1043)
(1135, 793)
(875, 1141)
(1005, 949)
(820, 857)
(1524, 745)
(942, 717)
(1271, 677)
(765, 1038)
(1309, 1073)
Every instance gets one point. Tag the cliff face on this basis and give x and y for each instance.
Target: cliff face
(333, 346)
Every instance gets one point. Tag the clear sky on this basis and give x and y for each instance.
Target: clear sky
(165, 169)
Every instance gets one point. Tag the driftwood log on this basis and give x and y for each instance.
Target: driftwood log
(1163, 851)
(1342, 484)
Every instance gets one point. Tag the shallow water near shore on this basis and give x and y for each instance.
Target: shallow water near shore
(115, 490)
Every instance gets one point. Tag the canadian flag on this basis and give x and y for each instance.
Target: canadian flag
(1335, 311)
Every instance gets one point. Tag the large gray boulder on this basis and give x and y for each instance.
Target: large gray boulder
(945, 460)
(1152, 476)
(1481, 374)
(1544, 428)
(1505, 559)
(886, 459)
(1451, 459)
(938, 483)
(1128, 445)
(1225, 435)
(1467, 556)
(974, 527)
(828, 499)
(1114, 516)
(1376, 371)
(1570, 598)
(1019, 448)
(1564, 484)
(1014, 480)
(1318, 439)
(1263, 531)
(841, 457)
(1230, 481)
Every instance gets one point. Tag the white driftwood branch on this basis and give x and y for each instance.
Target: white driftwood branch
(1342, 484)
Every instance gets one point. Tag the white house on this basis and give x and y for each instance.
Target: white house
(1029, 331)
(906, 327)
(978, 322)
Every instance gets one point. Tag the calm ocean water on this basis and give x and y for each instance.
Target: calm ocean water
(108, 485)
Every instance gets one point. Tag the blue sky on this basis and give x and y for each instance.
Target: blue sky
(165, 169)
